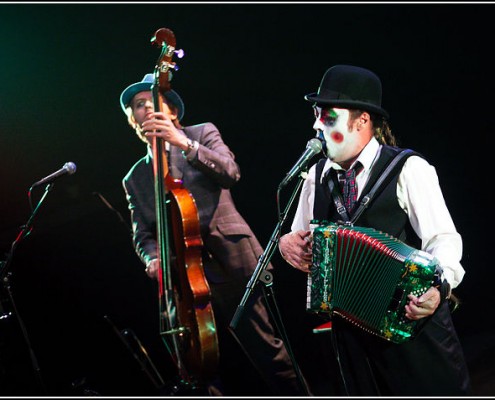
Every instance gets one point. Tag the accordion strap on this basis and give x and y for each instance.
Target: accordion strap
(338, 201)
(365, 201)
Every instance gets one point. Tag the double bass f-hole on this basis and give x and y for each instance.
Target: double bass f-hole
(187, 323)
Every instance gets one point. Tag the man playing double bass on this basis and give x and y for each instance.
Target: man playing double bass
(199, 157)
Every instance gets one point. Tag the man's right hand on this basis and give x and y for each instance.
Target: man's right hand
(296, 249)
(152, 269)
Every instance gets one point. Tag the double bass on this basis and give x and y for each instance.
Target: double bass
(187, 322)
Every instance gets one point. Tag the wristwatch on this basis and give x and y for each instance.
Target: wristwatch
(442, 284)
(190, 145)
(445, 290)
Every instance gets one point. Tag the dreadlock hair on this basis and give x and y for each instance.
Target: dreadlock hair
(381, 129)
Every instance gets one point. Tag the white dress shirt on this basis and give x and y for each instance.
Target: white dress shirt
(419, 195)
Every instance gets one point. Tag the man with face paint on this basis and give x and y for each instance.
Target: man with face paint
(353, 128)
(206, 165)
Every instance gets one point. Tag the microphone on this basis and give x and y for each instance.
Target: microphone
(68, 168)
(313, 147)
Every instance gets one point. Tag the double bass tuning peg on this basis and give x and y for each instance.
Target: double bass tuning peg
(179, 53)
(167, 66)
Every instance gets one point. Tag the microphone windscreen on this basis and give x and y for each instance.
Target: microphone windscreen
(70, 167)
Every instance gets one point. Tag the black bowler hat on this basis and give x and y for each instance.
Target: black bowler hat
(346, 86)
(144, 85)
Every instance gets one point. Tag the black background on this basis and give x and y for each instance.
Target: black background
(247, 68)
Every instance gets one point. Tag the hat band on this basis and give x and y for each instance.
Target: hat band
(333, 95)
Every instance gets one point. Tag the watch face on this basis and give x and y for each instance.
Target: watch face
(190, 145)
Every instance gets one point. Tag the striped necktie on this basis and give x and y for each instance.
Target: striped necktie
(349, 187)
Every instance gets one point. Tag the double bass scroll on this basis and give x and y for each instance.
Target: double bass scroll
(187, 323)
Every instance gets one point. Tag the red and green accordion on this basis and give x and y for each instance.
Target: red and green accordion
(364, 276)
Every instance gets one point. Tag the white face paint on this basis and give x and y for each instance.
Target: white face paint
(341, 143)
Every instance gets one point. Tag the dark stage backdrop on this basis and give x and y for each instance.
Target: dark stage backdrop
(246, 69)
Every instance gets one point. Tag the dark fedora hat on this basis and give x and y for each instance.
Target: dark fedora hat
(346, 86)
(145, 84)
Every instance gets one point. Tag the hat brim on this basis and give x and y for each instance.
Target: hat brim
(345, 103)
(132, 90)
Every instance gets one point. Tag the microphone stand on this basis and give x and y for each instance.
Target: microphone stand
(261, 275)
(4, 276)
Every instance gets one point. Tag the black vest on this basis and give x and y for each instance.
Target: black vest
(384, 212)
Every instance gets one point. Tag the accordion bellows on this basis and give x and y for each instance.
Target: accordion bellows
(364, 276)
